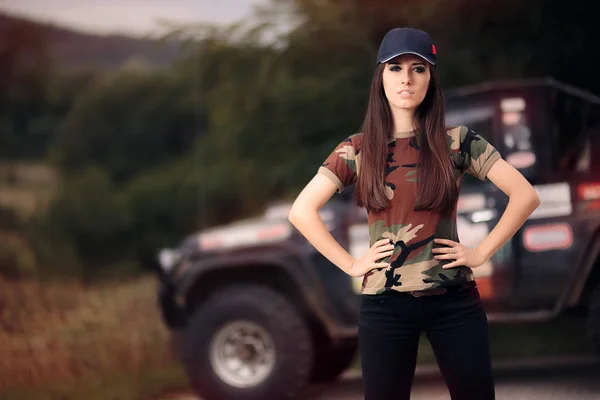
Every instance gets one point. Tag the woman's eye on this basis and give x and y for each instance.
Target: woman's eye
(394, 68)
(419, 69)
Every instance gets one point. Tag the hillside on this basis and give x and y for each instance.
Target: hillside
(74, 50)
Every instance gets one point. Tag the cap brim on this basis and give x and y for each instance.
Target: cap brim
(406, 52)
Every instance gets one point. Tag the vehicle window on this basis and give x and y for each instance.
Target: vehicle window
(573, 150)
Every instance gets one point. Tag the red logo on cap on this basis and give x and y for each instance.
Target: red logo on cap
(433, 48)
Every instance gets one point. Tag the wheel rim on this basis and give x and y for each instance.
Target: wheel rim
(242, 354)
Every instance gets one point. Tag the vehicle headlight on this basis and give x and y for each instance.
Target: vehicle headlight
(168, 258)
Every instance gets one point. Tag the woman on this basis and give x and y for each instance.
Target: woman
(406, 167)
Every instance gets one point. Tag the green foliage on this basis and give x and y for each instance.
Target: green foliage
(17, 259)
(87, 223)
(127, 123)
(26, 119)
(486, 39)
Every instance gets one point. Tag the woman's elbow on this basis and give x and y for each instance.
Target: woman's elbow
(294, 214)
(527, 197)
(535, 198)
(300, 212)
(538, 201)
(532, 199)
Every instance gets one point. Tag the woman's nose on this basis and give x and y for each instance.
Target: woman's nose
(405, 78)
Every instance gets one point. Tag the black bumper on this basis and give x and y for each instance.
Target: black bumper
(173, 315)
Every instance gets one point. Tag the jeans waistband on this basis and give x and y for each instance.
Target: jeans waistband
(441, 289)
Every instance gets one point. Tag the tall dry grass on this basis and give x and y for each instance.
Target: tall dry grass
(65, 333)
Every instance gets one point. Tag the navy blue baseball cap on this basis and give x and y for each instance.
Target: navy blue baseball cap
(400, 41)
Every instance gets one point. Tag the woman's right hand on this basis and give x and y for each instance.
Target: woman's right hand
(380, 249)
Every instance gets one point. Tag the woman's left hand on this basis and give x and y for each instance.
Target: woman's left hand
(461, 254)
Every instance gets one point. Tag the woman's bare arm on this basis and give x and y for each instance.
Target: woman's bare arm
(304, 215)
(523, 200)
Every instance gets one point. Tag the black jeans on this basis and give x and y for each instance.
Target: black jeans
(455, 323)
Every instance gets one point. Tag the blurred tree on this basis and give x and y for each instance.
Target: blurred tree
(88, 222)
(176, 200)
(26, 77)
(127, 123)
(274, 109)
(480, 40)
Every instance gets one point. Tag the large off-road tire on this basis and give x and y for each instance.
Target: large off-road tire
(593, 319)
(331, 362)
(247, 342)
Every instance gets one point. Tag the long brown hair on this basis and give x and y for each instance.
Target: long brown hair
(436, 186)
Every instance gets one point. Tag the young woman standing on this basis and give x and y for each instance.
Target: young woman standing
(407, 166)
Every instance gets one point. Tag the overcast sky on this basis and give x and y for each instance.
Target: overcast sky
(129, 16)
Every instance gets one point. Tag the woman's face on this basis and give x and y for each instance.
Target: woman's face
(405, 81)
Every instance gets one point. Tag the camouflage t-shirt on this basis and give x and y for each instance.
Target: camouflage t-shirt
(412, 232)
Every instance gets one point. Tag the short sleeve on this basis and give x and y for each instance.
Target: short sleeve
(479, 154)
(341, 166)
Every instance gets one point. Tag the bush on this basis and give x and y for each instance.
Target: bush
(17, 259)
(85, 226)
